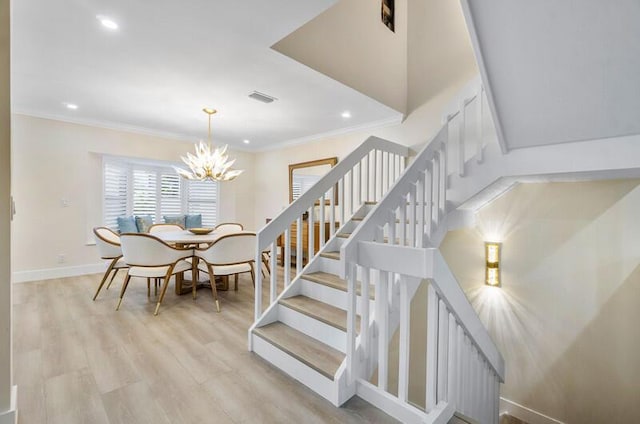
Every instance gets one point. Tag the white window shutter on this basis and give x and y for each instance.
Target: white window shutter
(144, 192)
(116, 187)
(156, 190)
(170, 194)
(202, 198)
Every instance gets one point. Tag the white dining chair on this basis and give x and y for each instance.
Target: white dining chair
(228, 228)
(231, 254)
(164, 228)
(149, 257)
(108, 244)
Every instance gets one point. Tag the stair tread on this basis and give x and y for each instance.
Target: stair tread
(331, 255)
(343, 235)
(332, 281)
(313, 353)
(321, 311)
(361, 218)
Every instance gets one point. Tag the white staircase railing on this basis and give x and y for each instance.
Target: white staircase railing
(364, 175)
(394, 245)
(464, 367)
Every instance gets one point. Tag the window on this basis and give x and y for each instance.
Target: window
(170, 194)
(115, 193)
(201, 199)
(145, 198)
(135, 188)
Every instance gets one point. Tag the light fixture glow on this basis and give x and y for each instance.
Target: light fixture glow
(71, 106)
(207, 163)
(346, 114)
(107, 22)
(492, 266)
(246, 141)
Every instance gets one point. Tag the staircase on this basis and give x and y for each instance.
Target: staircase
(330, 323)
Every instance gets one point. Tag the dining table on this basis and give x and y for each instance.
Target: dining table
(183, 239)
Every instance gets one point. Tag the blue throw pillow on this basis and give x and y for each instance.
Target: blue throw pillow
(143, 223)
(127, 224)
(175, 219)
(193, 221)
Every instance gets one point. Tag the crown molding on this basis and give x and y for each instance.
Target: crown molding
(108, 125)
(395, 120)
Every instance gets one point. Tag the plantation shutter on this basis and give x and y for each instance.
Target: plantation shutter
(202, 199)
(302, 183)
(144, 192)
(116, 187)
(170, 195)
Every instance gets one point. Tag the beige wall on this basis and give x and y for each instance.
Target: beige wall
(56, 160)
(272, 167)
(349, 43)
(566, 319)
(439, 47)
(5, 226)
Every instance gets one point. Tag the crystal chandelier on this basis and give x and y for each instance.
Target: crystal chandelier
(207, 163)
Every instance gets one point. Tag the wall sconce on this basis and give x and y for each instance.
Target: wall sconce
(492, 266)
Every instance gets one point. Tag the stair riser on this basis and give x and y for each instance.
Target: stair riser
(328, 265)
(350, 227)
(312, 327)
(317, 382)
(334, 297)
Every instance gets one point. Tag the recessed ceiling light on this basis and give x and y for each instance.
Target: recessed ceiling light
(346, 114)
(107, 22)
(246, 141)
(71, 106)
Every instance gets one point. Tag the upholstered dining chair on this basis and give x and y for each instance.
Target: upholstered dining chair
(231, 254)
(228, 228)
(164, 228)
(108, 244)
(149, 257)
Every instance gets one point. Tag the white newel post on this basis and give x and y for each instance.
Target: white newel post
(7, 394)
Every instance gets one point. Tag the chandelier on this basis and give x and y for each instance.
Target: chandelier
(207, 163)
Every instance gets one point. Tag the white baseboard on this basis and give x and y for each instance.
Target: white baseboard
(62, 272)
(525, 414)
(11, 416)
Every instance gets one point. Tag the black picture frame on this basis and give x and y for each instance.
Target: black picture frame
(387, 14)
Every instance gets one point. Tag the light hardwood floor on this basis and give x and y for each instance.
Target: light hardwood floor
(78, 361)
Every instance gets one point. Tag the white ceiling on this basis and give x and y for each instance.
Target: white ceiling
(561, 71)
(169, 59)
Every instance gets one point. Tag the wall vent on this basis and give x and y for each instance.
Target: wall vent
(261, 97)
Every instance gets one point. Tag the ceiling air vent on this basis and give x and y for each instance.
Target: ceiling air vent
(261, 97)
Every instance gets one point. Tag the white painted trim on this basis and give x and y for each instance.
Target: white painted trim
(296, 369)
(395, 120)
(11, 416)
(62, 272)
(391, 405)
(313, 328)
(108, 125)
(484, 74)
(335, 133)
(525, 414)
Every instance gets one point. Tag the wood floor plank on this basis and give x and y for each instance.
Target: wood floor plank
(74, 398)
(134, 404)
(79, 361)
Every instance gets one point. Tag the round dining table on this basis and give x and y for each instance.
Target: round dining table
(183, 239)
